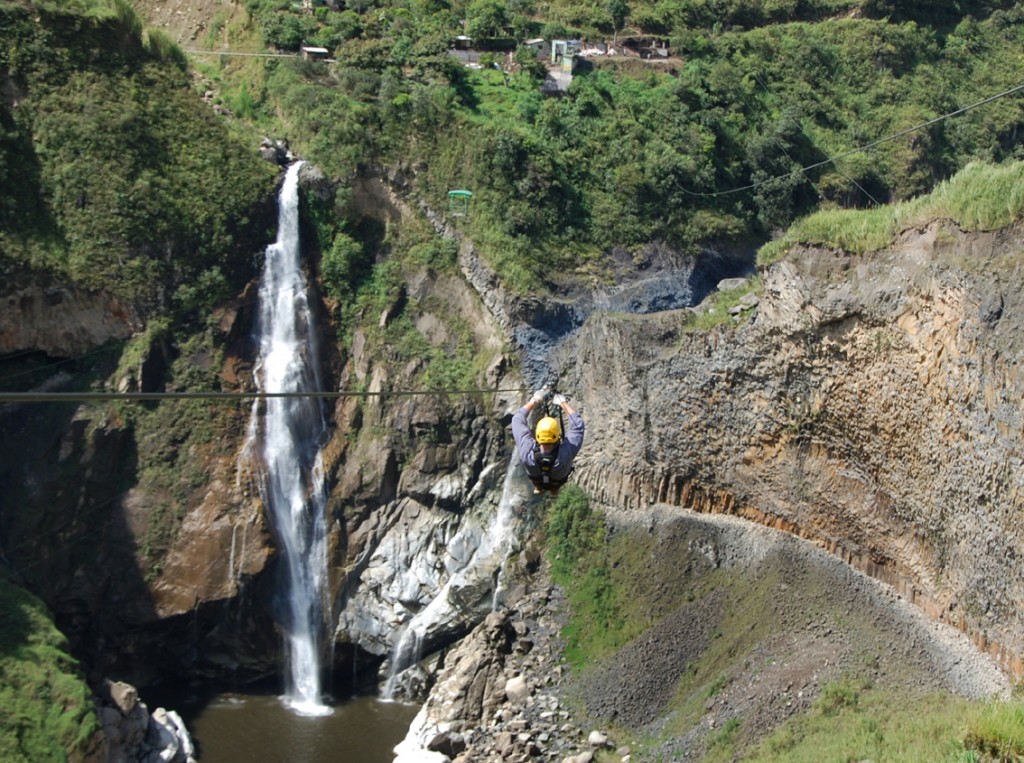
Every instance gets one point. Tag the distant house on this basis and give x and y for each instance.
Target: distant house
(646, 47)
(311, 52)
(563, 53)
(536, 44)
(564, 57)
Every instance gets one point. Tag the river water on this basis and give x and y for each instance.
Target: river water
(262, 728)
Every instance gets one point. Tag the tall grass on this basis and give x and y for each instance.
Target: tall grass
(980, 197)
(161, 46)
(123, 14)
(848, 723)
(997, 732)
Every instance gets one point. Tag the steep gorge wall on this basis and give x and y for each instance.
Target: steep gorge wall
(872, 405)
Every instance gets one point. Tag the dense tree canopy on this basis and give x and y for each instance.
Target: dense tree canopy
(113, 172)
(709, 144)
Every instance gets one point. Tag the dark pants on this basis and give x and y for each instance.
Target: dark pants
(550, 486)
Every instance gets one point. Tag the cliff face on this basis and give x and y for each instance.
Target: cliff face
(58, 320)
(872, 405)
(141, 527)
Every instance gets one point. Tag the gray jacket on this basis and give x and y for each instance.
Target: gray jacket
(568, 447)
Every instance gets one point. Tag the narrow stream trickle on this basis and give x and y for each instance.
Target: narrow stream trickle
(486, 561)
(283, 444)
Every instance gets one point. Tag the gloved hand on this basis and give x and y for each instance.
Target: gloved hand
(558, 399)
(539, 396)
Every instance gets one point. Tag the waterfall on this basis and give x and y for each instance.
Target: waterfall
(283, 443)
(486, 561)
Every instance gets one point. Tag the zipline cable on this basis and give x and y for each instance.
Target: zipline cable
(81, 397)
(807, 135)
(859, 149)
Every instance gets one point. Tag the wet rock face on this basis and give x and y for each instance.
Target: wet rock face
(653, 279)
(872, 404)
(414, 480)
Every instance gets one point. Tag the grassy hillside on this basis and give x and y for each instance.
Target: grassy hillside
(713, 631)
(708, 145)
(46, 710)
(113, 173)
(980, 197)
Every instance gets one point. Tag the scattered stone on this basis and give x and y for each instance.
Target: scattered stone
(447, 743)
(731, 284)
(517, 690)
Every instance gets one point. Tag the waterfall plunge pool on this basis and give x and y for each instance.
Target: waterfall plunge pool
(239, 727)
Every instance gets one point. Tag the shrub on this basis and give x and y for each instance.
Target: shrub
(46, 709)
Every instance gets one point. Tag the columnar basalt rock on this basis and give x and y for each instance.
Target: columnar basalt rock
(872, 405)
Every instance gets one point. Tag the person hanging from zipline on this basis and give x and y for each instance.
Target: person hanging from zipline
(546, 455)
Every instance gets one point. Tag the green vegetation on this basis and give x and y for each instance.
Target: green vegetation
(113, 174)
(579, 563)
(852, 723)
(364, 268)
(980, 197)
(716, 309)
(175, 439)
(46, 709)
(706, 147)
(620, 584)
(996, 732)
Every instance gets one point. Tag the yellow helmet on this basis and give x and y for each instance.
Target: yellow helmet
(548, 430)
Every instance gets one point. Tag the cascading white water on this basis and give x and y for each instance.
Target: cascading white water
(486, 560)
(283, 442)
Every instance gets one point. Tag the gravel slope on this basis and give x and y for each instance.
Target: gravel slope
(820, 621)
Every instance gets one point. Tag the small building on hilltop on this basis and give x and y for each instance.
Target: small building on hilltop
(564, 52)
(314, 53)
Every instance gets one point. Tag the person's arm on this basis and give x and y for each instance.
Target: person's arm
(521, 428)
(574, 428)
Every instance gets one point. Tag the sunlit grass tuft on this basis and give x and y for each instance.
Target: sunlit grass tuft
(981, 197)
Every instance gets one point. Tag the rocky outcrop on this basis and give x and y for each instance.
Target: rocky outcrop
(654, 279)
(871, 405)
(497, 698)
(59, 320)
(417, 482)
(866, 403)
(506, 694)
(134, 735)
